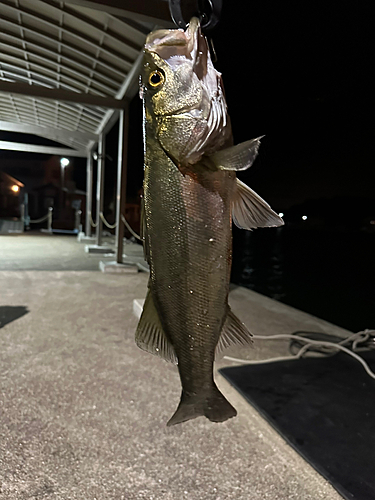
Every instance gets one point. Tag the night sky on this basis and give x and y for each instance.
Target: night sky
(299, 72)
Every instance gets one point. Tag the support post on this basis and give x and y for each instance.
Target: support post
(100, 189)
(121, 180)
(89, 169)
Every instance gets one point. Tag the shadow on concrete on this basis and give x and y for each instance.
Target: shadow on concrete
(11, 313)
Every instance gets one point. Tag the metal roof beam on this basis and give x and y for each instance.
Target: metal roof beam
(68, 30)
(54, 134)
(72, 61)
(63, 141)
(48, 150)
(78, 86)
(64, 118)
(67, 115)
(64, 9)
(52, 57)
(82, 79)
(130, 85)
(60, 95)
(76, 49)
(140, 10)
(126, 92)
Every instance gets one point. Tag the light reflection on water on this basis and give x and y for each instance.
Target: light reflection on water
(328, 274)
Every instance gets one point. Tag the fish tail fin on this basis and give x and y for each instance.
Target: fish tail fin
(214, 406)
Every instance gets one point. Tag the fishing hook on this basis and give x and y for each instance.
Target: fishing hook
(208, 12)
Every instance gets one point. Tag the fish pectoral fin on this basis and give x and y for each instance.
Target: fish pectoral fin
(150, 335)
(234, 332)
(239, 157)
(250, 211)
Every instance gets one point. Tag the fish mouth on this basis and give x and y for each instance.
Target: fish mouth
(174, 43)
(176, 46)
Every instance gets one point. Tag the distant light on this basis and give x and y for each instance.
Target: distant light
(64, 162)
(372, 222)
(281, 214)
(15, 188)
(304, 217)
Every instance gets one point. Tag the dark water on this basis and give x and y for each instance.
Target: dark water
(328, 274)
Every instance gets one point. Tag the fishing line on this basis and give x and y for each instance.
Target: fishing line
(321, 348)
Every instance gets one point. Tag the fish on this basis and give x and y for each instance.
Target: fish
(190, 196)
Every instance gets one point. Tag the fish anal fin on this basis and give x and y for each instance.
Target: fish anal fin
(250, 211)
(234, 332)
(239, 157)
(150, 336)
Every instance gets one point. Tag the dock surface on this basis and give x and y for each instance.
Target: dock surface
(83, 411)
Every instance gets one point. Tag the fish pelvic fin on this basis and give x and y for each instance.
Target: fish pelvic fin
(150, 335)
(213, 405)
(234, 332)
(239, 157)
(250, 211)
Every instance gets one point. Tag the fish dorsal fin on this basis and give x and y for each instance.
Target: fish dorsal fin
(234, 332)
(250, 211)
(150, 335)
(239, 157)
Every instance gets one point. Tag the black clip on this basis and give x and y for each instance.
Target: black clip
(208, 11)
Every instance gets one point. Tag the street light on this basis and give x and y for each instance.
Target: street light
(15, 188)
(64, 162)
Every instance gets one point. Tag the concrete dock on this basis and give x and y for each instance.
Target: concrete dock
(83, 411)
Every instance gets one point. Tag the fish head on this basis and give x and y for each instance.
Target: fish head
(183, 94)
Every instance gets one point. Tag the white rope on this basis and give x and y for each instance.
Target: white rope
(110, 226)
(357, 338)
(130, 229)
(42, 219)
(91, 221)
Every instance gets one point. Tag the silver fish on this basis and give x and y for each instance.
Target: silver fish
(191, 194)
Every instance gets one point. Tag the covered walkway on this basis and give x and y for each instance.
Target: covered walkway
(67, 73)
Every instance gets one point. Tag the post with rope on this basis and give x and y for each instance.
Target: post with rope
(99, 247)
(121, 180)
(49, 219)
(100, 189)
(89, 169)
(118, 266)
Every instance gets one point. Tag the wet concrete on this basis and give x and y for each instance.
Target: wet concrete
(83, 410)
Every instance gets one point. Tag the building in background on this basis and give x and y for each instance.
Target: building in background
(11, 196)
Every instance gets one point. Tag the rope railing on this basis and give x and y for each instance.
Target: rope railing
(130, 229)
(106, 223)
(93, 224)
(42, 219)
(47, 217)
(113, 226)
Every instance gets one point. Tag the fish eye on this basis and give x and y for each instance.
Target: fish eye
(156, 78)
